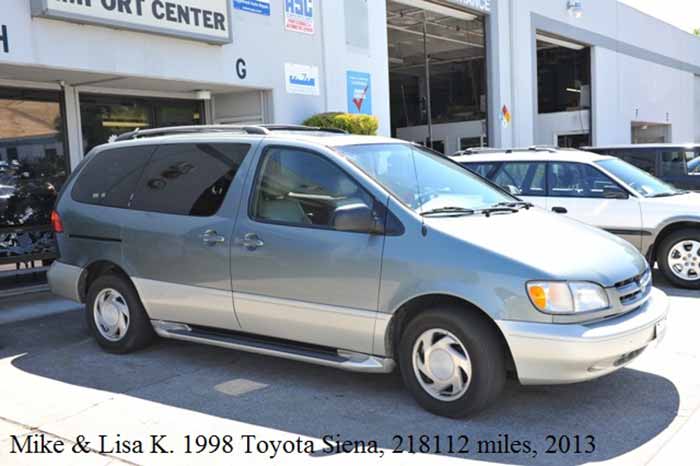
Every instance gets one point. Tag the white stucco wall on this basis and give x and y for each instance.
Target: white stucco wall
(550, 125)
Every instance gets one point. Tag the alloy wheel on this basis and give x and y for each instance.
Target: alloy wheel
(684, 260)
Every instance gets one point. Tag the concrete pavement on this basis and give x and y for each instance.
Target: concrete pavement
(55, 381)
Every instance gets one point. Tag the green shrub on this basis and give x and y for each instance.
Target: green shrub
(350, 122)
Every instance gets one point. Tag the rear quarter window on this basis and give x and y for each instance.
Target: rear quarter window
(110, 178)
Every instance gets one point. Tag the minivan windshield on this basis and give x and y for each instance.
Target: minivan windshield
(639, 180)
(425, 181)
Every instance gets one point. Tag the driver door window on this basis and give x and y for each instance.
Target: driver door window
(296, 187)
(586, 194)
(579, 181)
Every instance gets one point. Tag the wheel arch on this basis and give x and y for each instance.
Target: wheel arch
(668, 230)
(97, 269)
(411, 308)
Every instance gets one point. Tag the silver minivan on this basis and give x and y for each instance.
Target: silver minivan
(353, 252)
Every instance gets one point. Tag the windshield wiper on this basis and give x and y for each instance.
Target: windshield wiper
(516, 205)
(496, 209)
(456, 211)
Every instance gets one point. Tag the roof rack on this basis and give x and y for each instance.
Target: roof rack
(491, 150)
(246, 129)
(301, 128)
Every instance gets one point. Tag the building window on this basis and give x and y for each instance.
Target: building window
(574, 141)
(473, 142)
(105, 116)
(33, 168)
(563, 75)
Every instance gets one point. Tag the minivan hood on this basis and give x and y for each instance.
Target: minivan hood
(556, 247)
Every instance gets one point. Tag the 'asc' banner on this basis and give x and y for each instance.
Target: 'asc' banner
(202, 20)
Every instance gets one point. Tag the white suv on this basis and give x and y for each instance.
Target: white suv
(660, 220)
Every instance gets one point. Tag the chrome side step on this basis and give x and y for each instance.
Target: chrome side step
(339, 359)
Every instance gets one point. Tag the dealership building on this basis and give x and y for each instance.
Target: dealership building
(450, 74)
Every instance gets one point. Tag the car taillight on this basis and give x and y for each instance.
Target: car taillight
(56, 222)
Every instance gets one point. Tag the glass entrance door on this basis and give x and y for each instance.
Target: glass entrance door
(103, 117)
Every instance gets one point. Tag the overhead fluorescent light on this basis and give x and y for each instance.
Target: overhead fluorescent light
(571, 89)
(439, 9)
(560, 42)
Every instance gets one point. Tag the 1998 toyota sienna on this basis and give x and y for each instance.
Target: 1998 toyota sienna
(353, 252)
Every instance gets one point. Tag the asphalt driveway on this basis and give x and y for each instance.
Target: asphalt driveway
(55, 381)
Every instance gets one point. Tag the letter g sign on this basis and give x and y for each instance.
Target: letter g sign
(241, 68)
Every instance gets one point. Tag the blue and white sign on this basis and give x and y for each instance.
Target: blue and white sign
(301, 79)
(299, 16)
(359, 92)
(260, 7)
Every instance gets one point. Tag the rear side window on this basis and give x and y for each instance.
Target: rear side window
(110, 178)
(481, 169)
(189, 179)
(526, 178)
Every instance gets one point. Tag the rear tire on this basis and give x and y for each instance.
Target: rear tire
(452, 361)
(679, 258)
(115, 315)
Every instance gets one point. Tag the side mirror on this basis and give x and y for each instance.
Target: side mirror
(358, 218)
(613, 192)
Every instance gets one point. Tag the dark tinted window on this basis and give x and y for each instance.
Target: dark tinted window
(297, 187)
(673, 163)
(578, 180)
(526, 178)
(189, 179)
(110, 178)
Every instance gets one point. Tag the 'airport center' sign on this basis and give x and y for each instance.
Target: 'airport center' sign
(202, 20)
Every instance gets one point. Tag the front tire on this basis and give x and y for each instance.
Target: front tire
(115, 315)
(679, 258)
(452, 361)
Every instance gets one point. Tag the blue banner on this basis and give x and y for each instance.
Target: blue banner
(260, 7)
(359, 92)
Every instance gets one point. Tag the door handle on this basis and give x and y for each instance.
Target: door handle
(212, 238)
(250, 241)
(560, 210)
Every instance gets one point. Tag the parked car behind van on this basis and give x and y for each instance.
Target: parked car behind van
(678, 165)
(353, 252)
(659, 220)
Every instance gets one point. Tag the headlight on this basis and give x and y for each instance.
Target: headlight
(567, 297)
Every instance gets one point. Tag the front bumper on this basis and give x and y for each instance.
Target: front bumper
(64, 280)
(568, 353)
